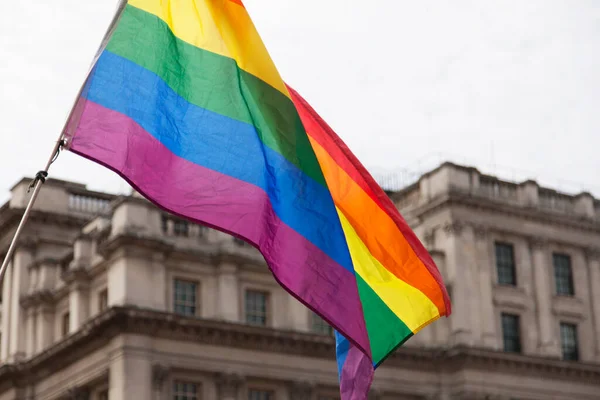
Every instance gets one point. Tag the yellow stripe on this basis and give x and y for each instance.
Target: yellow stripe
(219, 26)
(408, 303)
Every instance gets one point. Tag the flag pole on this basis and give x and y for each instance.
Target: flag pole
(62, 142)
(36, 184)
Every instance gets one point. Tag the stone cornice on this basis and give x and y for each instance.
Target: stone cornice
(14, 215)
(466, 199)
(122, 320)
(39, 297)
(213, 254)
(131, 239)
(76, 276)
(454, 228)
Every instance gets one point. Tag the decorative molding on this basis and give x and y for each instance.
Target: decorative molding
(79, 277)
(128, 239)
(509, 209)
(99, 331)
(538, 243)
(480, 232)
(228, 384)
(593, 253)
(38, 298)
(454, 228)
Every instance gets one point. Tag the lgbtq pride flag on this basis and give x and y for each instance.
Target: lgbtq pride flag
(184, 102)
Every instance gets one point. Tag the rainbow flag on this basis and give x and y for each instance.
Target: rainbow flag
(184, 102)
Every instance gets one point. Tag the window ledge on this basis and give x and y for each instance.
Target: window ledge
(510, 297)
(568, 307)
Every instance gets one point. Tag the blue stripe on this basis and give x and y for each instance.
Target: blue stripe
(342, 347)
(222, 144)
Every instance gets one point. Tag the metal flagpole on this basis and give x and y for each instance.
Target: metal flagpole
(41, 176)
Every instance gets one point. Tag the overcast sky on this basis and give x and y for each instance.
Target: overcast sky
(511, 87)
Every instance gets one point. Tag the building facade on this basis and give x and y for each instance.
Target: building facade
(109, 297)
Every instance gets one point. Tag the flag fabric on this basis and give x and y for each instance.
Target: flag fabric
(399, 286)
(184, 102)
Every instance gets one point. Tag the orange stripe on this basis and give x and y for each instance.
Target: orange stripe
(377, 230)
(238, 2)
(337, 149)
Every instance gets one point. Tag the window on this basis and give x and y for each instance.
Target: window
(181, 228)
(568, 341)
(511, 333)
(318, 325)
(65, 323)
(505, 264)
(102, 300)
(185, 297)
(103, 395)
(254, 394)
(563, 275)
(256, 307)
(185, 391)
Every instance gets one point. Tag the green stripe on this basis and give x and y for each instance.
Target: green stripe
(215, 82)
(386, 331)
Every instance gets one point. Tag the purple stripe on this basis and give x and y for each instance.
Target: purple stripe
(357, 375)
(227, 204)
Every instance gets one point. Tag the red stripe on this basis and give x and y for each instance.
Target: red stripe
(238, 2)
(321, 132)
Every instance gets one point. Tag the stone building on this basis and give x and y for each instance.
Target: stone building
(110, 298)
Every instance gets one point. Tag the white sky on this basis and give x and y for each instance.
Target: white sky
(511, 87)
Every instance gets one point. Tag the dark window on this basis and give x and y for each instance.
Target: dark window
(256, 307)
(505, 264)
(66, 323)
(254, 394)
(185, 391)
(511, 333)
(563, 275)
(181, 228)
(185, 295)
(103, 395)
(320, 326)
(568, 341)
(103, 300)
(165, 224)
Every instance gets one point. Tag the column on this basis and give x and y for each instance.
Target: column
(547, 344)
(20, 281)
(228, 386)
(31, 330)
(78, 305)
(301, 391)
(462, 290)
(6, 296)
(130, 376)
(593, 260)
(45, 327)
(228, 293)
(485, 271)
